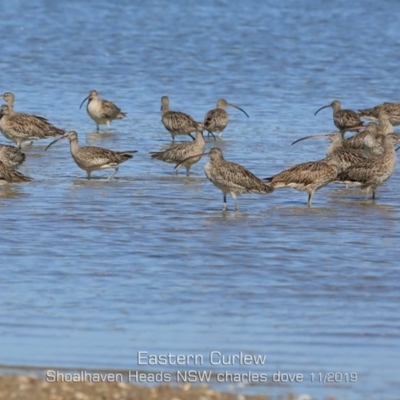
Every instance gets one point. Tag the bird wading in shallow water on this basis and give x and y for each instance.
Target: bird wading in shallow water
(181, 153)
(231, 178)
(373, 172)
(345, 120)
(308, 177)
(176, 122)
(91, 158)
(216, 120)
(20, 127)
(101, 111)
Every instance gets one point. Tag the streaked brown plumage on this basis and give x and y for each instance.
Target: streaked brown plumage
(345, 120)
(216, 120)
(176, 122)
(370, 140)
(11, 156)
(308, 177)
(373, 113)
(20, 127)
(385, 124)
(101, 111)
(10, 98)
(181, 153)
(232, 178)
(371, 173)
(10, 175)
(346, 156)
(91, 158)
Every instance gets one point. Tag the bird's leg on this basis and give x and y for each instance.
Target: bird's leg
(236, 203)
(108, 125)
(224, 206)
(187, 170)
(373, 195)
(111, 176)
(191, 136)
(310, 196)
(212, 134)
(88, 174)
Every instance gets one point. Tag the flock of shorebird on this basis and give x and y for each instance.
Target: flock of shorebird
(367, 159)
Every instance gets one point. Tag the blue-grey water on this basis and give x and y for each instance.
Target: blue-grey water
(92, 272)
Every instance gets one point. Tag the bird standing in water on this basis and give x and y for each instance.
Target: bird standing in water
(101, 111)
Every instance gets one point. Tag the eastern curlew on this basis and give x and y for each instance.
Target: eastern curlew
(217, 119)
(91, 158)
(101, 111)
(371, 173)
(345, 120)
(232, 178)
(308, 177)
(370, 140)
(346, 156)
(10, 175)
(9, 98)
(181, 153)
(20, 127)
(11, 156)
(373, 113)
(385, 122)
(176, 122)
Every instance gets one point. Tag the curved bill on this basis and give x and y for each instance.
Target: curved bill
(188, 158)
(241, 109)
(62, 137)
(83, 101)
(316, 112)
(310, 137)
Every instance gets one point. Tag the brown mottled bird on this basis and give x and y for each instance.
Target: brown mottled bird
(385, 122)
(346, 156)
(231, 178)
(373, 113)
(101, 111)
(371, 173)
(176, 122)
(20, 127)
(308, 177)
(10, 99)
(91, 158)
(11, 156)
(181, 153)
(345, 120)
(217, 119)
(10, 175)
(370, 140)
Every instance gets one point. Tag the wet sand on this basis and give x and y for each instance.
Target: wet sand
(28, 387)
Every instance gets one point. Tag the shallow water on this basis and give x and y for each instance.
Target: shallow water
(96, 271)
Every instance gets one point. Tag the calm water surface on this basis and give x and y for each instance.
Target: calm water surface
(95, 271)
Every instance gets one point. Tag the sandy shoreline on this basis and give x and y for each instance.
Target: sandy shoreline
(28, 387)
